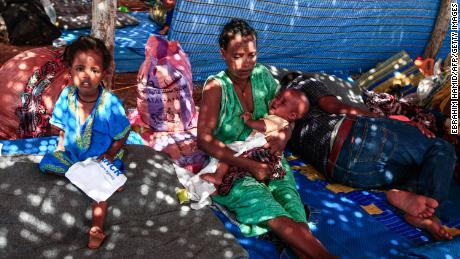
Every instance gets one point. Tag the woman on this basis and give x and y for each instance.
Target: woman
(248, 87)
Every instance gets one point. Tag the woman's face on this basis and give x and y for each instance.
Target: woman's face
(240, 56)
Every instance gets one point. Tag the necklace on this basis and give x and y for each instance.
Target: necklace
(243, 87)
(243, 95)
(85, 101)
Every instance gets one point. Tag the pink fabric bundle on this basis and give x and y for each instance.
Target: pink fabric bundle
(30, 85)
(166, 116)
(165, 87)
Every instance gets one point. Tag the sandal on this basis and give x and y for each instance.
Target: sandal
(96, 237)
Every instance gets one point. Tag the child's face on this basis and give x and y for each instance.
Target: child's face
(288, 105)
(87, 72)
(240, 56)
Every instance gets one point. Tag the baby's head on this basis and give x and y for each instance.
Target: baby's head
(290, 104)
(87, 59)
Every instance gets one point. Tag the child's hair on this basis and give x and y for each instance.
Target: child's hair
(233, 28)
(85, 43)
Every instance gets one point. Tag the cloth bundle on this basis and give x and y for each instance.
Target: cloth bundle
(30, 87)
(165, 87)
(166, 116)
(396, 74)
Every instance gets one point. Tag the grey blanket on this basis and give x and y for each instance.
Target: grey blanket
(45, 216)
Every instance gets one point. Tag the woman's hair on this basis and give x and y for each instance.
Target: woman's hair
(86, 43)
(233, 28)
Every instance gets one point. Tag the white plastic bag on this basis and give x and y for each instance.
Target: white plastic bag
(251, 142)
(99, 180)
(198, 190)
(49, 9)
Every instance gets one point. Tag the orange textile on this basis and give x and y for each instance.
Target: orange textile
(31, 83)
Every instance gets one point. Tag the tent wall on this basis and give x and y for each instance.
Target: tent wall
(332, 36)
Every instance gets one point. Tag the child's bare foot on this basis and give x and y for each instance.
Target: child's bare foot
(210, 177)
(120, 189)
(431, 224)
(411, 203)
(96, 237)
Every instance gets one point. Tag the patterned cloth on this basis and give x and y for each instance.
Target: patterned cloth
(164, 99)
(254, 202)
(257, 154)
(311, 136)
(385, 104)
(106, 123)
(32, 112)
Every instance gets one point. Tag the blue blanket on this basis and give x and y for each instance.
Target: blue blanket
(354, 223)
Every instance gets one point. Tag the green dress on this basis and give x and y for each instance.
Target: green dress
(254, 203)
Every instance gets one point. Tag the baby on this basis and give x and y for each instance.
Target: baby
(288, 106)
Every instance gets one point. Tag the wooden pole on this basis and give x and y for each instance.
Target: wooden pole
(103, 27)
(439, 31)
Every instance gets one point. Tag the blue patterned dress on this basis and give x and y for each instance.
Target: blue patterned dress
(106, 124)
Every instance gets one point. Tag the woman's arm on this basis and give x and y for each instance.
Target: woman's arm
(207, 122)
(333, 105)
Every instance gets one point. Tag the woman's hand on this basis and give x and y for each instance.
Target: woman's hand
(261, 171)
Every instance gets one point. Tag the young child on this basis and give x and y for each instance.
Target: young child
(91, 120)
(169, 6)
(288, 106)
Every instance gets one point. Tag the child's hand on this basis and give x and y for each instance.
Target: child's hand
(106, 156)
(246, 116)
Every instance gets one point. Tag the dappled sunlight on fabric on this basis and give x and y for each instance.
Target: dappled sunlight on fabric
(22, 66)
(53, 216)
(37, 224)
(26, 234)
(335, 206)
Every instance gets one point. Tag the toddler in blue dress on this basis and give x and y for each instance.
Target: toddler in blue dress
(91, 120)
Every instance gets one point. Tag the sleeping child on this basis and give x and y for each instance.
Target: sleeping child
(288, 106)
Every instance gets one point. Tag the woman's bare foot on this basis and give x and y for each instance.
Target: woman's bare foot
(411, 203)
(431, 224)
(96, 237)
(212, 178)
